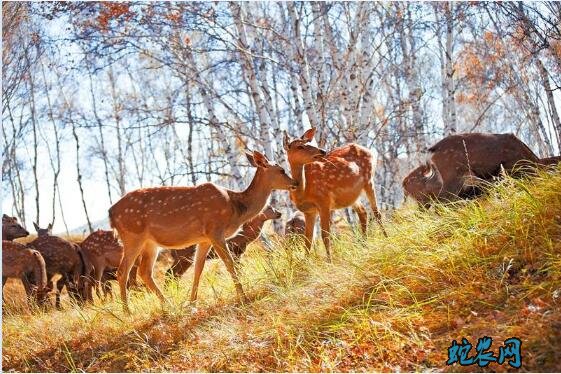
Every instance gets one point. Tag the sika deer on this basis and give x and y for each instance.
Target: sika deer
(457, 164)
(18, 261)
(177, 217)
(183, 258)
(101, 251)
(61, 257)
(11, 229)
(330, 181)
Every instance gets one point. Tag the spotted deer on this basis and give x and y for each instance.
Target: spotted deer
(177, 217)
(61, 257)
(329, 181)
(11, 229)
(183, 258)
(102, 252)
(18, 261)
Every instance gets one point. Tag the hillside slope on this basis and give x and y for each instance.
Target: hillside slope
(485, 268)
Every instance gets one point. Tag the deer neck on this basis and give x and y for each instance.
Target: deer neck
(297, 171)
(252, 200)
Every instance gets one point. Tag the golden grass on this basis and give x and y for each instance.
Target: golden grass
(488, 267)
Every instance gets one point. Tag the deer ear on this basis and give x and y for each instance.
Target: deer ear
(5, 216)
(286, 141)
(309, 135)
(250, 159)
(260, 159)
(428, 171)
(36, 226)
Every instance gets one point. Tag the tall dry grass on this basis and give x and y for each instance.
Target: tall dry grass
(487, 267)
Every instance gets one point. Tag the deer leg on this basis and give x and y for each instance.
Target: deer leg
(133, 282)
(200, 258)
(131, 250)
(221, 248)
(97, 281)
(59, 286)
(310, 219)
(146, 270)
(362, 217)
(325, 221)
(106, 285)
(371, 195)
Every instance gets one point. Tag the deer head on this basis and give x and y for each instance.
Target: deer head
(271, 213)
(299, 151)
(11, 229)
(273, 173)
(423, 184)
(43, 232)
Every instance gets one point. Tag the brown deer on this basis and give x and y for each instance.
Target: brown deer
(330, 181)
(102, 253)
(61, 257)
(18, 261)
(177, 217)
(458, 163)
(11, 229)
(296, 225)
(183, 258)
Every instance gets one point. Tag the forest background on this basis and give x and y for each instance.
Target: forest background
(99, 99)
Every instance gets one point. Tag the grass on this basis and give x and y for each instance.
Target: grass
(488, 267)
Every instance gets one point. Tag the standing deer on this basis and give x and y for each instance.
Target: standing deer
(102, 251)
(18, 261)
(330, 181)
(183, 258)
(61, 257)
(177, 217)
(11, 229)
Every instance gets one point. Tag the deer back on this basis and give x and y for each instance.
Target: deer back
(338, 180)
(61, 256)
(173, 216)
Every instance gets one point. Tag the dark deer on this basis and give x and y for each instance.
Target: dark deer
(11, 229)
(61, 257)
(458, 163)
(183, 258)
(177, 217)
(18, 261)
(330, 181)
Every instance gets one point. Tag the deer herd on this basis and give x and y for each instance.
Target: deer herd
(209, 221)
